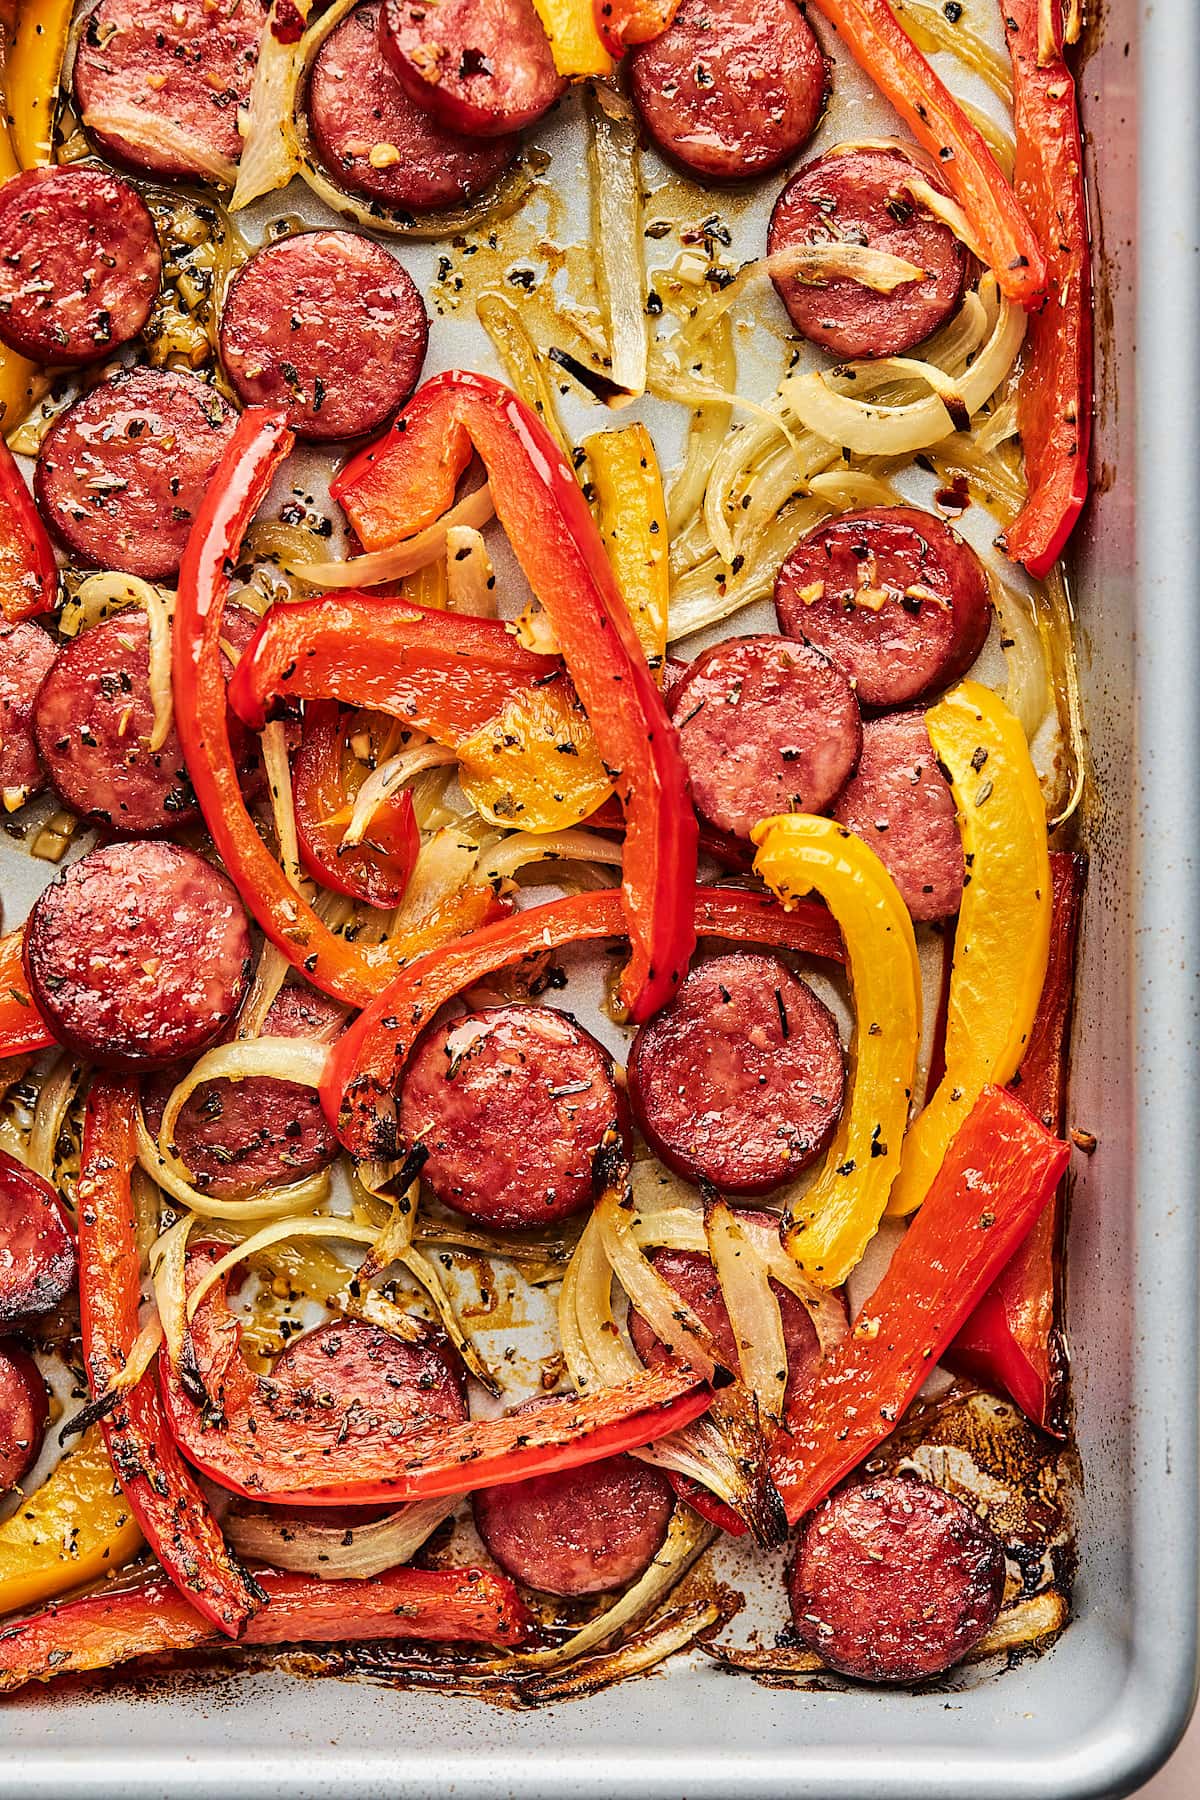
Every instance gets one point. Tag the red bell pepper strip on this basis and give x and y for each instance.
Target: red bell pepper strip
(172, 1512)
(22, 1028)
(999, 1173)
(624, 22)
(375, 871)
(1010, 1343)
(28, 571)
(350, 972)
(147, 1617)
(881, 47)
(447, 673)
(365, 1064)
(1054, 394)
(559, 547)
(276, 1440)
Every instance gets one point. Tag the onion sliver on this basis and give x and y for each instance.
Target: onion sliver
(336, 1552)
(617, 233)
(752, 1307)
(404, 558)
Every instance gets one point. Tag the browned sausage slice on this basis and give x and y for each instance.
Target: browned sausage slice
(79, 264)
(37, 1253)
(26, 653)
(739, 1081)
(895, 1580)
(356, 1367)
(119, 477)
(236, 1137)
(138, 955)
(158, 83)
(24, 1410)
(733, 87)
(377, 142)
(891, 595)
(580, 1531)
(765, 727)
(900, 803)
(328, 326)
(857, 195)
(695, 1281)
(511, 1105)
(483, 67)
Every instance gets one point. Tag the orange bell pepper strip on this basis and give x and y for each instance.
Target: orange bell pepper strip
(169, 1507)
(883, 49)
(147, 1617)
(624, 22)
(395, 486)
(1054, 393)
(1000, 1172)
(22, 1028)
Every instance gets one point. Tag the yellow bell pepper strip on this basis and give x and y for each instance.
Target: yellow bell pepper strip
(574, 40)
(632, 515)
(1002, 943)
(827, 1228)
(31, 77)
(77, 1527)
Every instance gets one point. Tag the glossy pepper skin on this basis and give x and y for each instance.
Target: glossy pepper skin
(884, 51)
(397, 485)
(365, 1065)
(377, 870)
(22, 1028)
(147, 1617)
(625, 22)
(77, 1527)
(169, 1507)
(1054, 395)
(998, 1175)
(1011, 1342)
(28, 571)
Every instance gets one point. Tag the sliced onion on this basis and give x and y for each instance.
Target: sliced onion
(673, 1632)
(157, 135)
(346, 1230)
(298, 1060)
(709, 427)
(523, 362)
(273, 740)
(336, 1552)
(1060, 633)
(445, 864)
(752, 1307)
(1028, 692)
(668, 1316)
(168, 1272)
(597, 1355)
(521, 848)
(424, 1272)
(845, 488)
(931, 30)
(55, 1094)
(99, 597)
(615, 163)
(404, 558)
(270, 152)
(392, 774)
(948, 211)
(470, 577)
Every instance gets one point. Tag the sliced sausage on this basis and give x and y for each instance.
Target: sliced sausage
(158, 83)
(236, 1137)
(376, 141)
(891, 595)
(138, 955)
(739, 1081)
(732, 88)
(765, 727)
(26, 653)
(579, 1531)
(24, 1411)
(511, 1105)
(895, 1580)
(37, 1252)
(94, 720)
(900, 803)
(329, 326)
(119, 477)
(858, 195)
(79, 264)
(356, 1367)
(483, 67)
(695, 1281)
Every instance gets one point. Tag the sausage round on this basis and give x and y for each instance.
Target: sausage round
(354, 1366)
(37, 1252)
(158, 83)
(739, 1080)
(483, 67)
(891, 595)
(357, 108)
(237, 1137)
(695, 1281)
(79, 264)
(24, 1411)
(26, 653)
(765, 726)
(857, 195)
(900, 803)
(138, 955)
(895, 1580)
(511, 1105)
(119, 477)
(329, 326)
(94, 719)
(732, 88)
(579, 1531)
